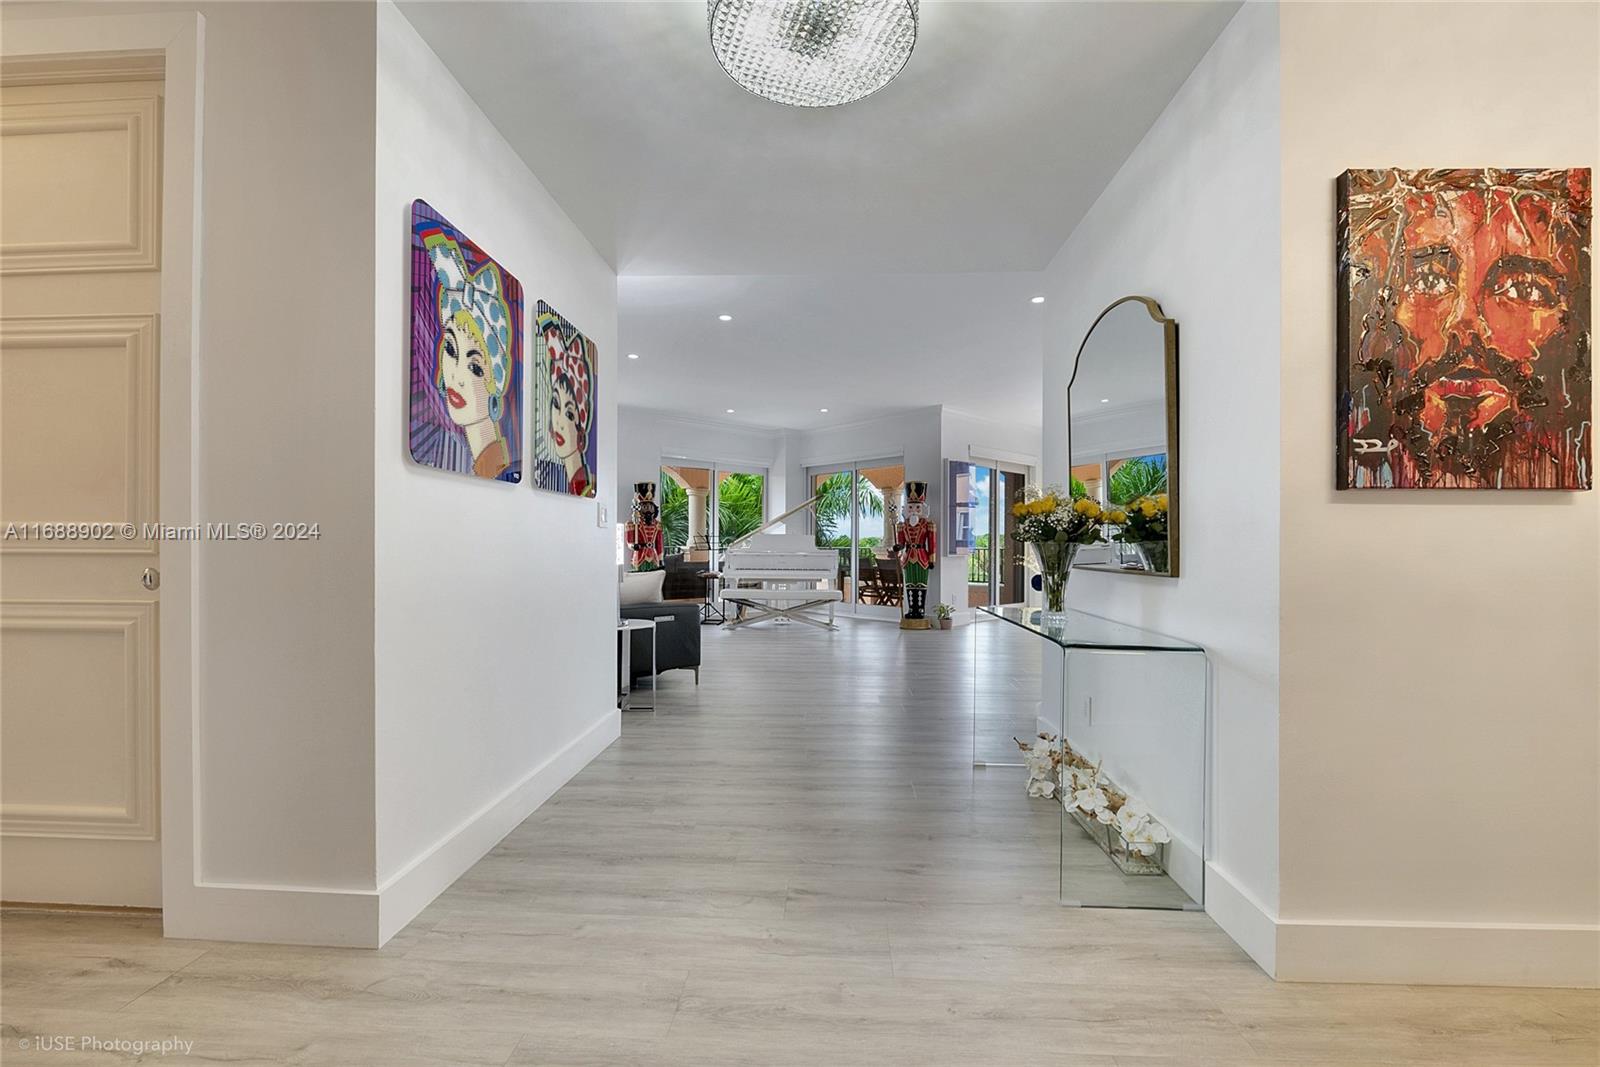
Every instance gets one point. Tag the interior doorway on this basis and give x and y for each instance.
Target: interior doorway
(80, 355)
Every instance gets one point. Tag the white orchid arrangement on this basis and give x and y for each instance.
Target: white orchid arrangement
(1040, 759)
(1056, 770)
(1140, 830)
(1088, 796)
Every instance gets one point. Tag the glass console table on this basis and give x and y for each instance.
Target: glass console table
(1131, 709)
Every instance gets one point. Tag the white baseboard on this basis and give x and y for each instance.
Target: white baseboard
(366, 918)
(1496, 954)
(1404, 953)
(405, 893)
(1243, 918)
(280, 915)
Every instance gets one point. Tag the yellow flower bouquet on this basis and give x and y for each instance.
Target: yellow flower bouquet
(1054, 526)
(1051, 515)
(1144, 519)
(1143, 524)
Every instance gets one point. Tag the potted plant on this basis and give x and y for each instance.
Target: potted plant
(1054, 526)
(944, 613)
(1144, 526)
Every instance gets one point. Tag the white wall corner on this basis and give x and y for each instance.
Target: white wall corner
(1242, 917)
(403, 895)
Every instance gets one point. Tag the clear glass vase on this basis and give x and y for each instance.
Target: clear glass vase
(1054, 561)
(1153, 555)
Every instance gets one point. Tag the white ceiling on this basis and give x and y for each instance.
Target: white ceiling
(1002, 130)
(797, 344)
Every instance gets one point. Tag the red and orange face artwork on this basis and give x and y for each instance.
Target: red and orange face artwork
(1464, 329)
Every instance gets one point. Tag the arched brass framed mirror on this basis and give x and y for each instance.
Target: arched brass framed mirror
(1122, 433)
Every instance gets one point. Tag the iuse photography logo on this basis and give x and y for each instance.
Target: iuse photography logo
(120, 1046)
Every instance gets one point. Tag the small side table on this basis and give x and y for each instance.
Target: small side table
(625, 627)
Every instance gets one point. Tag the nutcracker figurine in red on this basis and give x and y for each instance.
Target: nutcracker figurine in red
(645, 537)
(916, 542)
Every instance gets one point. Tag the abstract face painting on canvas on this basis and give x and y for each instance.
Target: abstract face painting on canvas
(466, 354)
(564, 387)
(1465, 354)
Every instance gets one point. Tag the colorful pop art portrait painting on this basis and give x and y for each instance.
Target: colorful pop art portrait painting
(466, 354)
(1465, 356)
(564, 408)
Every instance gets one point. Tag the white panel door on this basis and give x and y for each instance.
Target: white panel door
(80, 167)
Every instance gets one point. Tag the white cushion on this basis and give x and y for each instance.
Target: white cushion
(642, 587)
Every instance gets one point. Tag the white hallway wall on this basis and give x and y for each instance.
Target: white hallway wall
(285, 722)
(1409, 687)
(281, 809)
(345, 769)
(1318, 877)
(495, 636)
(1191, 219)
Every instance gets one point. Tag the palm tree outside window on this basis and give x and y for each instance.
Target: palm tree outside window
(738, 506)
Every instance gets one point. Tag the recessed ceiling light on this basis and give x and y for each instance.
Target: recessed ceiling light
(1105, 400)
(725, 318)
(730, 411)
(633, 355)
(1038, 300)
(823, 410)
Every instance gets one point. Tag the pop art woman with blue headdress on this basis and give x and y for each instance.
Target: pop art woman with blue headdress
(466, 354)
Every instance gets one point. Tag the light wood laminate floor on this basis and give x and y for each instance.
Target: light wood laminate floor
(794, 863)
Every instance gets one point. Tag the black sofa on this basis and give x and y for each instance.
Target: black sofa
(677, 642)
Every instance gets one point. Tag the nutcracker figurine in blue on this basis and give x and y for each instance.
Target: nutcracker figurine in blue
(916, 542)
(645, 537)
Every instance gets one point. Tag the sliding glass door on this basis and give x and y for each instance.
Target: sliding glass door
(704, 506)
(995, 570)
(857, 507)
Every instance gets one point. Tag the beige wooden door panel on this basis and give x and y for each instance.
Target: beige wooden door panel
(79, 431)
(78, 739)
(78, 403)
(102, 213)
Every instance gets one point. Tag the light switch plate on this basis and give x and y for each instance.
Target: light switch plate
(600, 518)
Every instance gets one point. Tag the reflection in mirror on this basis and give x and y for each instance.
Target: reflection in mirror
(1122, 428)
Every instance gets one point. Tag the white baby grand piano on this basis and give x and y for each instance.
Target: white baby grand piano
(773, 576)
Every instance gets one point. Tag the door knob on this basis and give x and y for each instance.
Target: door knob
(151, 579)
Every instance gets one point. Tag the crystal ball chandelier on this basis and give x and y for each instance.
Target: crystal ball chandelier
(812, 53)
